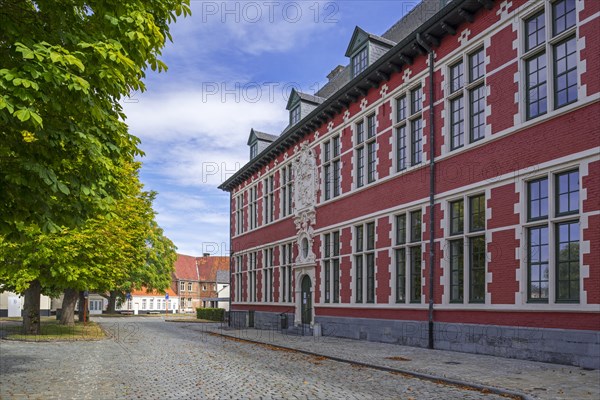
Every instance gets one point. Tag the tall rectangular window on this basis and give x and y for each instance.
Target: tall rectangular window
(285, 273)
(331, 267)
(287, 193)
(561, 254)
(567, 262)
(538, 263)
(409, 129)
(268, 199)
(295, 115)
(467, 249)
(551, 53)
(365, 151)
(364, 262)
(456, 270)
(477, 269)
(332, 167)
(467, 100)
(408, 255)
(253, 208)
(359, 62)
(268, 275)
(239, 214)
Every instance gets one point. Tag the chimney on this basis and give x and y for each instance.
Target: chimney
(334, 72)
(205, 254)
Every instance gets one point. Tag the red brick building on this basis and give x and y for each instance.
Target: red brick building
(442, 190)
(195, 280)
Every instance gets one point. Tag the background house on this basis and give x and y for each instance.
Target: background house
(195, 280)
(11, 305)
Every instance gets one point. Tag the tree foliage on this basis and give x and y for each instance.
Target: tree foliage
(126, 250)
(64, 67)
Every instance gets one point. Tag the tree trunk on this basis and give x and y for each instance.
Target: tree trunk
(112, 302)
(82, 304)
(31, 317)
(68, 307)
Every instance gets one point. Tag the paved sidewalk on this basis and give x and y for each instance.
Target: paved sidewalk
(535, 379)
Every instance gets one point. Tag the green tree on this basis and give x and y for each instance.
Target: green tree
(126, 250)
(64, 67)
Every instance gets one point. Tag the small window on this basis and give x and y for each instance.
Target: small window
(563, 16)
(295, 115)
(477, 213)
(537, 192)
(253, 150)
(359, 62)
(567, 193)
(415, 226)
(457, 217)
(535, 31)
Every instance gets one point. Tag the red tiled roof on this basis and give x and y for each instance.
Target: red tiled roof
(144, 292)
(185, 268)
(208, 267)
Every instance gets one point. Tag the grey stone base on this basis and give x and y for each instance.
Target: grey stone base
(559, 346)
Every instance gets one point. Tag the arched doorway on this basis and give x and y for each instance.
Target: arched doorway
(306, 300)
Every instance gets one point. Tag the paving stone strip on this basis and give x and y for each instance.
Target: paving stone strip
(146, 358)
(528, 379)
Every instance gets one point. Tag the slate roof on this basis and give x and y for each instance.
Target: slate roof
(429, 18)
(223, 276)
(265, 136)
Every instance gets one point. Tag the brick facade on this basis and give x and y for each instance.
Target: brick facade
(513, 152)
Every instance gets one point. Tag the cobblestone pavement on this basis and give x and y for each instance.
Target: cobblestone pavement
(148, 358)
(536, 379)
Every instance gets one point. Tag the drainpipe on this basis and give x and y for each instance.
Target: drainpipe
(426, 46)
(231, 255)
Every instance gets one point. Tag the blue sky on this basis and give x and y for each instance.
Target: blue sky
(231, 67)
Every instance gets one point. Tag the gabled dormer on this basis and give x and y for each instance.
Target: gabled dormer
(301, 104)
(258, 141)
(364, 49)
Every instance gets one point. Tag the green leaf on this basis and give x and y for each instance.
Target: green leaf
(63, 188)
(23, 114)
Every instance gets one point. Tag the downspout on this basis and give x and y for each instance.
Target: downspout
(426, 46)
(231, 255)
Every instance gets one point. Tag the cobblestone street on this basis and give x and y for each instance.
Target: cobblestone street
(150, 359)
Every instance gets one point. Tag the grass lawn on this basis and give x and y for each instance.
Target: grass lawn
(51, 330)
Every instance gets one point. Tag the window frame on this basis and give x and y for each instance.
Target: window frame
(547, 47)
(408, 129)
(331, 167)
(468, 86)
(406, 243)
(466, 236)
(552, 222)
(364, 257)
(362, 62)
(331, 263)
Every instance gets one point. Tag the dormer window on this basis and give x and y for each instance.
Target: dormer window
(258, 141)
(359, 62)
(364, 49)
(295, 115)
(300, 105)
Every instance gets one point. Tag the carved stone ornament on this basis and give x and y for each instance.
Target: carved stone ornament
(305, 179)
(305, 198)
